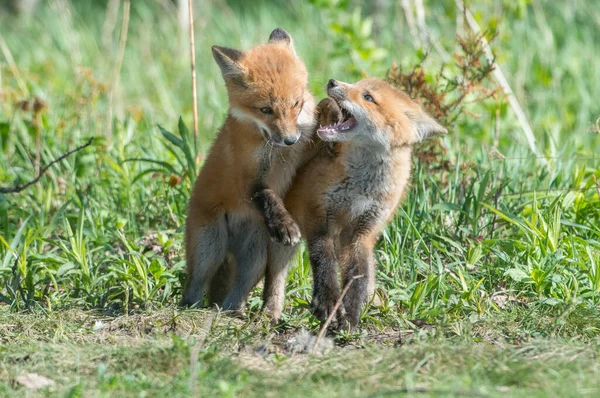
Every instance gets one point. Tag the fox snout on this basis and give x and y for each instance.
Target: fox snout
(291, 140)
(337, 89)
(282, 137)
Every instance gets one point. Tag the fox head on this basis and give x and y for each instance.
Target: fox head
(267, 86)
(373, 111)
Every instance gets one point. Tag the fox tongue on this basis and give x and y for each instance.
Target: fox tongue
(340, 127)
(348, 124)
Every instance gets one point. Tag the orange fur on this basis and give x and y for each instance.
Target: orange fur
(270, 109)
(344, 197)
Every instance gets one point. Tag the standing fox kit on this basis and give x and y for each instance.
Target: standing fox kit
(235, 204)
(342, 201)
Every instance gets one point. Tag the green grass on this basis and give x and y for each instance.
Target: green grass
(156, 353)
(500, 259)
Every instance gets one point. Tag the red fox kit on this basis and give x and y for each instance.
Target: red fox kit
(235, 204)
(342, 201)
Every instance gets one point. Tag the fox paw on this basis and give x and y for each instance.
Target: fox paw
(321, 308)
(284, 230)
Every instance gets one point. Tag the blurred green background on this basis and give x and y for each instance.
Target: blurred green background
(490, 270)
(104, 226)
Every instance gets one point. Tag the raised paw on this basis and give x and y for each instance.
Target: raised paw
(284, 230)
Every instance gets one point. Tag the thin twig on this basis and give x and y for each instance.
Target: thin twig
(427, 38)
(193, 61)
(420, 13)
(110, 21)
(551, 157)
(19, 188)
(546, 191)
(501, 79)
(333, 311)
(410, 21)
(117, 71)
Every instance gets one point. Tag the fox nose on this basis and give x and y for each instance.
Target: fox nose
(332, 83)
(291, 140)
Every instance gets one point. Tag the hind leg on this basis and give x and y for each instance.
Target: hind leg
(206, 247)
(221, 283)
(358, 269)
(278, 263)
(248, 244)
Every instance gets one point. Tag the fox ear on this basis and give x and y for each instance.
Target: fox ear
(425, 126)
(281, 36)
(228, 61)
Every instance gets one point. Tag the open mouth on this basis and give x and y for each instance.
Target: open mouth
(345, 124)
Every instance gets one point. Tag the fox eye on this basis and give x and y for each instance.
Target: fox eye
(266, 110)
(297, 103)
(368, 97)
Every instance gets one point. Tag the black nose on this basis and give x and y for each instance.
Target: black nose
(332, 83)
(291, 140)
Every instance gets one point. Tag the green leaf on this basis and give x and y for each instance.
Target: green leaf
(517, 274)
(165, 165)
(171, 137)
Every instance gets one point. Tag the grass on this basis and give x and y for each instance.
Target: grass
(496, 260)
(151, 354)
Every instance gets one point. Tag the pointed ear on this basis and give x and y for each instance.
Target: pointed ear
(425, 126)
(281, 36)
(228, 61)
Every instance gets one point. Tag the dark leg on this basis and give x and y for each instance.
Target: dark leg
(205, 251)
(222, 283)
(325, 280)
(359, 265)
(248, 244)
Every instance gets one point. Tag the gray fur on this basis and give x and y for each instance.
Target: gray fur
(211, 243)
(248, 245)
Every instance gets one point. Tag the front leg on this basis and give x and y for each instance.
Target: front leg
(325, 281)
(281, 226)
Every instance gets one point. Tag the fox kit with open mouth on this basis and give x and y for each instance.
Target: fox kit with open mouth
(344, 197)
(235, 205)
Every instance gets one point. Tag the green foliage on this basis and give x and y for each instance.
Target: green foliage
(103, 228)
(488, 276)
(351, 32)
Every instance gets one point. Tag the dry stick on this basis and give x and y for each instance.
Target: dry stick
(194, 97)
(427, 38)
(13, 66)
(117, 71)
(420, 13)
(501, 80)
(19, 188)
(110, 21)
(333, 311)
(410, 21)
